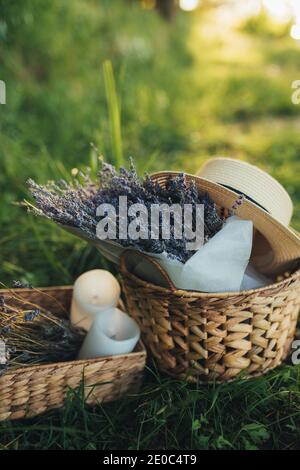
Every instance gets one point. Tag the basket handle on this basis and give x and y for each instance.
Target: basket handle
(144, 267)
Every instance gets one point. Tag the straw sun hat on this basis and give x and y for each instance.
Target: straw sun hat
(276, 247)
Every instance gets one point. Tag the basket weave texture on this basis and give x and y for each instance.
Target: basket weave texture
(30, 390)
(216, 337)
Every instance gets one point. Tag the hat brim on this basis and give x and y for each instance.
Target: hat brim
(276, 247)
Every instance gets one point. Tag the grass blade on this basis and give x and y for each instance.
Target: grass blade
(114, 113)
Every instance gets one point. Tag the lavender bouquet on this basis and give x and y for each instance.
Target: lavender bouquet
(74, 207)
(225, 247)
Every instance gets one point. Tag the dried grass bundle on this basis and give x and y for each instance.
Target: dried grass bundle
(30, 334)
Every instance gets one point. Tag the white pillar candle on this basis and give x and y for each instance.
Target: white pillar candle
(93, 292)
(112, 332)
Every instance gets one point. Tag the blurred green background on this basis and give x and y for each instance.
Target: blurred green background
(212, 81)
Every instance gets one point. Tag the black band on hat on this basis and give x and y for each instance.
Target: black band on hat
(243, 194)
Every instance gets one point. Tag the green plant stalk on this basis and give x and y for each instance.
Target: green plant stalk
(114, 113)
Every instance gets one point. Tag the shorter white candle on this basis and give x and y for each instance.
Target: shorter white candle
(93, 292)
(112, 332)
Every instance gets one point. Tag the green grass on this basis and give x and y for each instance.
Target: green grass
(187, 91)
(260, 413)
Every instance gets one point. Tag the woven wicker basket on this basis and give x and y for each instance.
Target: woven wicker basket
(195, 335)
(29, 391)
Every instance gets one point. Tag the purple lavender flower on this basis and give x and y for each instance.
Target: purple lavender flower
(29, 316)
(75, 205)
(20, 285)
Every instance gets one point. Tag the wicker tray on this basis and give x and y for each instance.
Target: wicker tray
(30, 390)
(216, 337)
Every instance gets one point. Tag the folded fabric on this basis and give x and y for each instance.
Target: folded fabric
(254, 280)
(219, 265)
